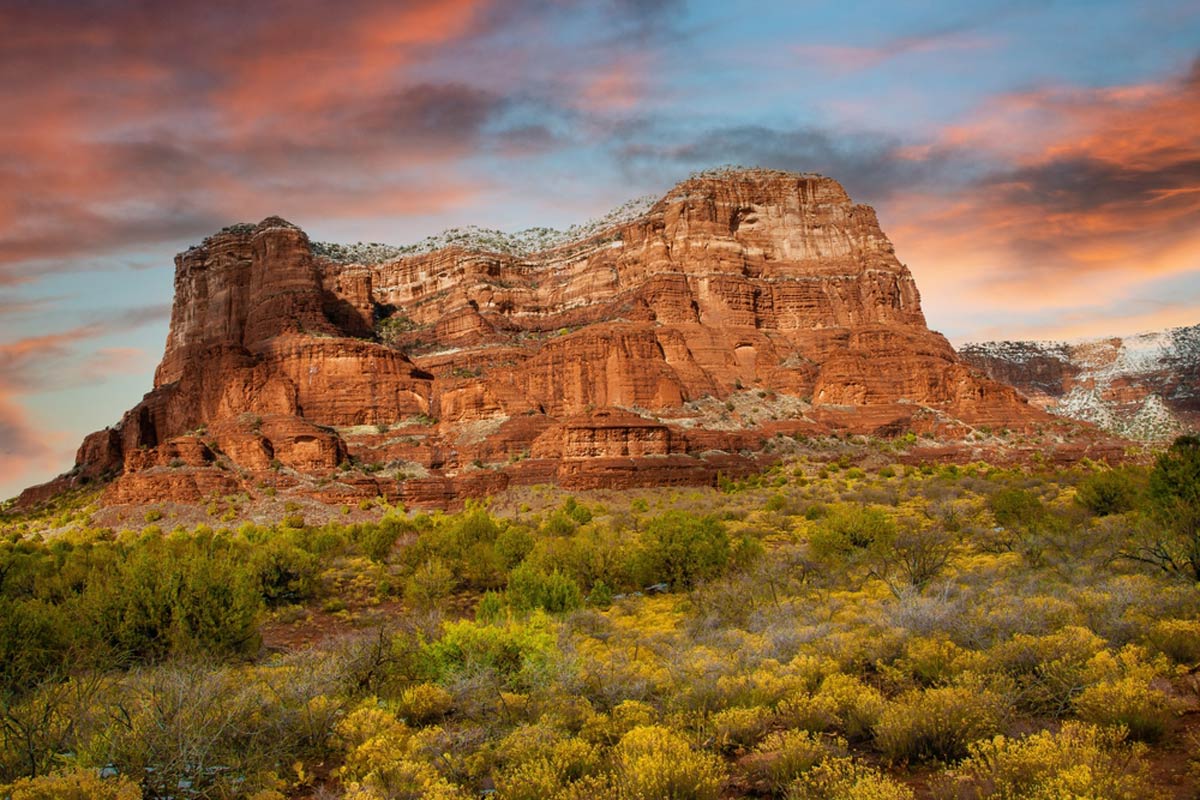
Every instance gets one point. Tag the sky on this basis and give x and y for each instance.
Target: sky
(1037, 164)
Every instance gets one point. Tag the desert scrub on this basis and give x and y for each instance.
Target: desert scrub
(550, 771)
(1128, 702)
(380, 761)
(738, 728)
(424, 703)
(1079, 761)
(846, 779)
(785, 755)
(1049, 670)
(841, 703)
(1177, 639)
(655, 763)
(517, 653)
(76, 784)
(938, 723)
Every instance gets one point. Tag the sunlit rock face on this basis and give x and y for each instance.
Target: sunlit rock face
(662, 347)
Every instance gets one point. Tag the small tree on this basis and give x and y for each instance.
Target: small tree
(1172, 540)
(910, 555)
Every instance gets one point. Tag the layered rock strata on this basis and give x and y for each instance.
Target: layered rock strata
(662, 349)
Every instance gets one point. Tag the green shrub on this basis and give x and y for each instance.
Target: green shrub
(1112, 491)
(177, 597)
(377, 541)
(682, 549)
(285, 574)
(846, 528)
(35, 638)
(516, 652)
(513, 545)
(530, 587)
(1017, 508)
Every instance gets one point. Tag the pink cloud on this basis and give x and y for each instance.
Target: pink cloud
(856, 58)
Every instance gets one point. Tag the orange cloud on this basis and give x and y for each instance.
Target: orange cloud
(1098, 192)
(26, 451)
(153, 123)
(619, 86)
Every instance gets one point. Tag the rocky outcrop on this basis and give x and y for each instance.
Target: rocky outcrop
(612, 359)
(1141, 387)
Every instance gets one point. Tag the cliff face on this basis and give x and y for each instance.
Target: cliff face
(615, 359)
(1142, 387)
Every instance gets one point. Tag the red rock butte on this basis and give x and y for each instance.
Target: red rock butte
(664, 349)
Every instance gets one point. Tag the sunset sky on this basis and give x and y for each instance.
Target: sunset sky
(1037, 164)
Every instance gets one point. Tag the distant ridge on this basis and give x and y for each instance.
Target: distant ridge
(1145, 386)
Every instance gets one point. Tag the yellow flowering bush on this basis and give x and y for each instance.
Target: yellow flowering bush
(841, 703)
(1178, 639)
(846, 779)
(936, 661)
(76, 784)
(1050, 670)
(938, 723)
(625, 716)
(1079, 761)
(655, 763)
(784, 755)
(1127, 702)
(424, 703)
(810, 712)
(737, 728)
(367, 722)
(550, 775)
(527, 743)
(402, 779)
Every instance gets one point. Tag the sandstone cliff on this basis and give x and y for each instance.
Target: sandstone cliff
(1142, 387)
(663, 348)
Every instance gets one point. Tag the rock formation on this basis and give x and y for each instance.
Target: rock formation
(663, 348)
(1141, 387)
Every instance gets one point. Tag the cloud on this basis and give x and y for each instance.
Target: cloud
(855, 58)
(1101, 185)
(1034, 199)
(26, 366)
(37, 363)
(871, 165)
(55, 361)
(135, 125)
(25, 450)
